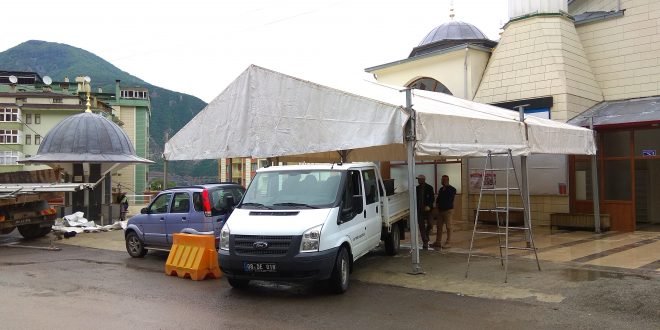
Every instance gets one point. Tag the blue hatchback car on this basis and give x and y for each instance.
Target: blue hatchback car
(201, 208)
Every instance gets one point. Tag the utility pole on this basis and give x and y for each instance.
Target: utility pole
(167, 138)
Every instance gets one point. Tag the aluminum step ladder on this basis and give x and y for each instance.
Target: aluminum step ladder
(502, 213)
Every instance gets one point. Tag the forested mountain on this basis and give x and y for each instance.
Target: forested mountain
(170, 110)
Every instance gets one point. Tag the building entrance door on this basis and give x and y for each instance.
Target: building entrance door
(647, 192)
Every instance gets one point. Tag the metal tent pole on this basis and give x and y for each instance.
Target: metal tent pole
(594, 184)
(410, 148)
(524, 182)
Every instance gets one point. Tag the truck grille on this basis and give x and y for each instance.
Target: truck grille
(277, 245)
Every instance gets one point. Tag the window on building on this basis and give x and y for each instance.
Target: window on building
(9, 115)
(28, 139)
(133, 94)
(37, 118)
(429, 84)
(8, 136)
(37, 139)
(647, 142)
(583, 183)
(540, 113)
(28, 118)
(616, 143)
(57, 100)
(9, 157)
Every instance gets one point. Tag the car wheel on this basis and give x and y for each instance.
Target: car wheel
(393, 241)
(238, 284)
(339, 279)
(134, 245)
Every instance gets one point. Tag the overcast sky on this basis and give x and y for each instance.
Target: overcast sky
(199, 46)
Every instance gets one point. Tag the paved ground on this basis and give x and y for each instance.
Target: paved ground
(102, 287)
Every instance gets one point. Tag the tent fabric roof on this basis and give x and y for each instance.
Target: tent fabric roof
(621, 112)
(264, 113)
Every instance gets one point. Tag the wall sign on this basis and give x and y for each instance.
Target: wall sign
(648, 153)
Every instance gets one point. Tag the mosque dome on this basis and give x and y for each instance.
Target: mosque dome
(451, 34)
(86, 138)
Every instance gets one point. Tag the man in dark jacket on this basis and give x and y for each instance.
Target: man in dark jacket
(445, 204)
(425, 198)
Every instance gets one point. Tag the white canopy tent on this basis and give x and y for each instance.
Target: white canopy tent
(265, 114)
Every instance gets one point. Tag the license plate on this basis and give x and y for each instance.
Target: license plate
(259, 267)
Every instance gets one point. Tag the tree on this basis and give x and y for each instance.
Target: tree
(157, 184)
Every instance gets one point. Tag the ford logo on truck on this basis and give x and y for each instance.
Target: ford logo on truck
(260, 245)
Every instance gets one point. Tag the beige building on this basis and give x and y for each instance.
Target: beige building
(573, 61)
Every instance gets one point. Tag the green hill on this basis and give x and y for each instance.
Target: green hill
(170, 110)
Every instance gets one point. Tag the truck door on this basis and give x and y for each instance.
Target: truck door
(372, 211)
(154, 223)
(179, 216)
(353, 222)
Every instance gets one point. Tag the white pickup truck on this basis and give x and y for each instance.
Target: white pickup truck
(310, 222)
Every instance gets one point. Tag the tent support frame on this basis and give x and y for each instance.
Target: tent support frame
(411, 138)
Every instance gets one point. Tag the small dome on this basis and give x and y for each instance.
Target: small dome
(451, 34)
(86, 138)
(453, 31)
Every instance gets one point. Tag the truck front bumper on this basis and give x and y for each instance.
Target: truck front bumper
(301, 267)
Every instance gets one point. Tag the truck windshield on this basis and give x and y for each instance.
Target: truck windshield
(293, 189)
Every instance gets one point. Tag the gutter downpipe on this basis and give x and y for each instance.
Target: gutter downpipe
(595, 184)
(410, 150)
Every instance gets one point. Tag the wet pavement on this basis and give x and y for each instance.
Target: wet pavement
(583, 282)
(637, 251)
(79, 287)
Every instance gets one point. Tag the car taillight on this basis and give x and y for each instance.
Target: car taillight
(206, 203)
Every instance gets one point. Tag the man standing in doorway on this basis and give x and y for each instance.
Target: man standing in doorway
(445, 203)
(424, 206)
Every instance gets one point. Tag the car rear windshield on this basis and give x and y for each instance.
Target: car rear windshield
(217, 196)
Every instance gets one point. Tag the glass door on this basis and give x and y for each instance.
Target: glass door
(647, 177)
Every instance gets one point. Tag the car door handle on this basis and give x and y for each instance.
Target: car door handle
(184, 219)
(162, 219)
(365, 214)
(376, 209)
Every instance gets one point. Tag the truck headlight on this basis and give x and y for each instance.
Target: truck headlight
(311, 239)
(224, 238)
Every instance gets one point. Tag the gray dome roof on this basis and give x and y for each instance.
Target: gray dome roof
(86, 138)
(449, 35)
(453, 31)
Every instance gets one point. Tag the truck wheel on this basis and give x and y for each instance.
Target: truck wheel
(7, 230)
(238, 284)
(46, 230)
(393, 241)
(32, 231)
(134, 245)
(339, 279)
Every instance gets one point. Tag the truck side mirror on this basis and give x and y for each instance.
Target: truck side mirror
(358, 206)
